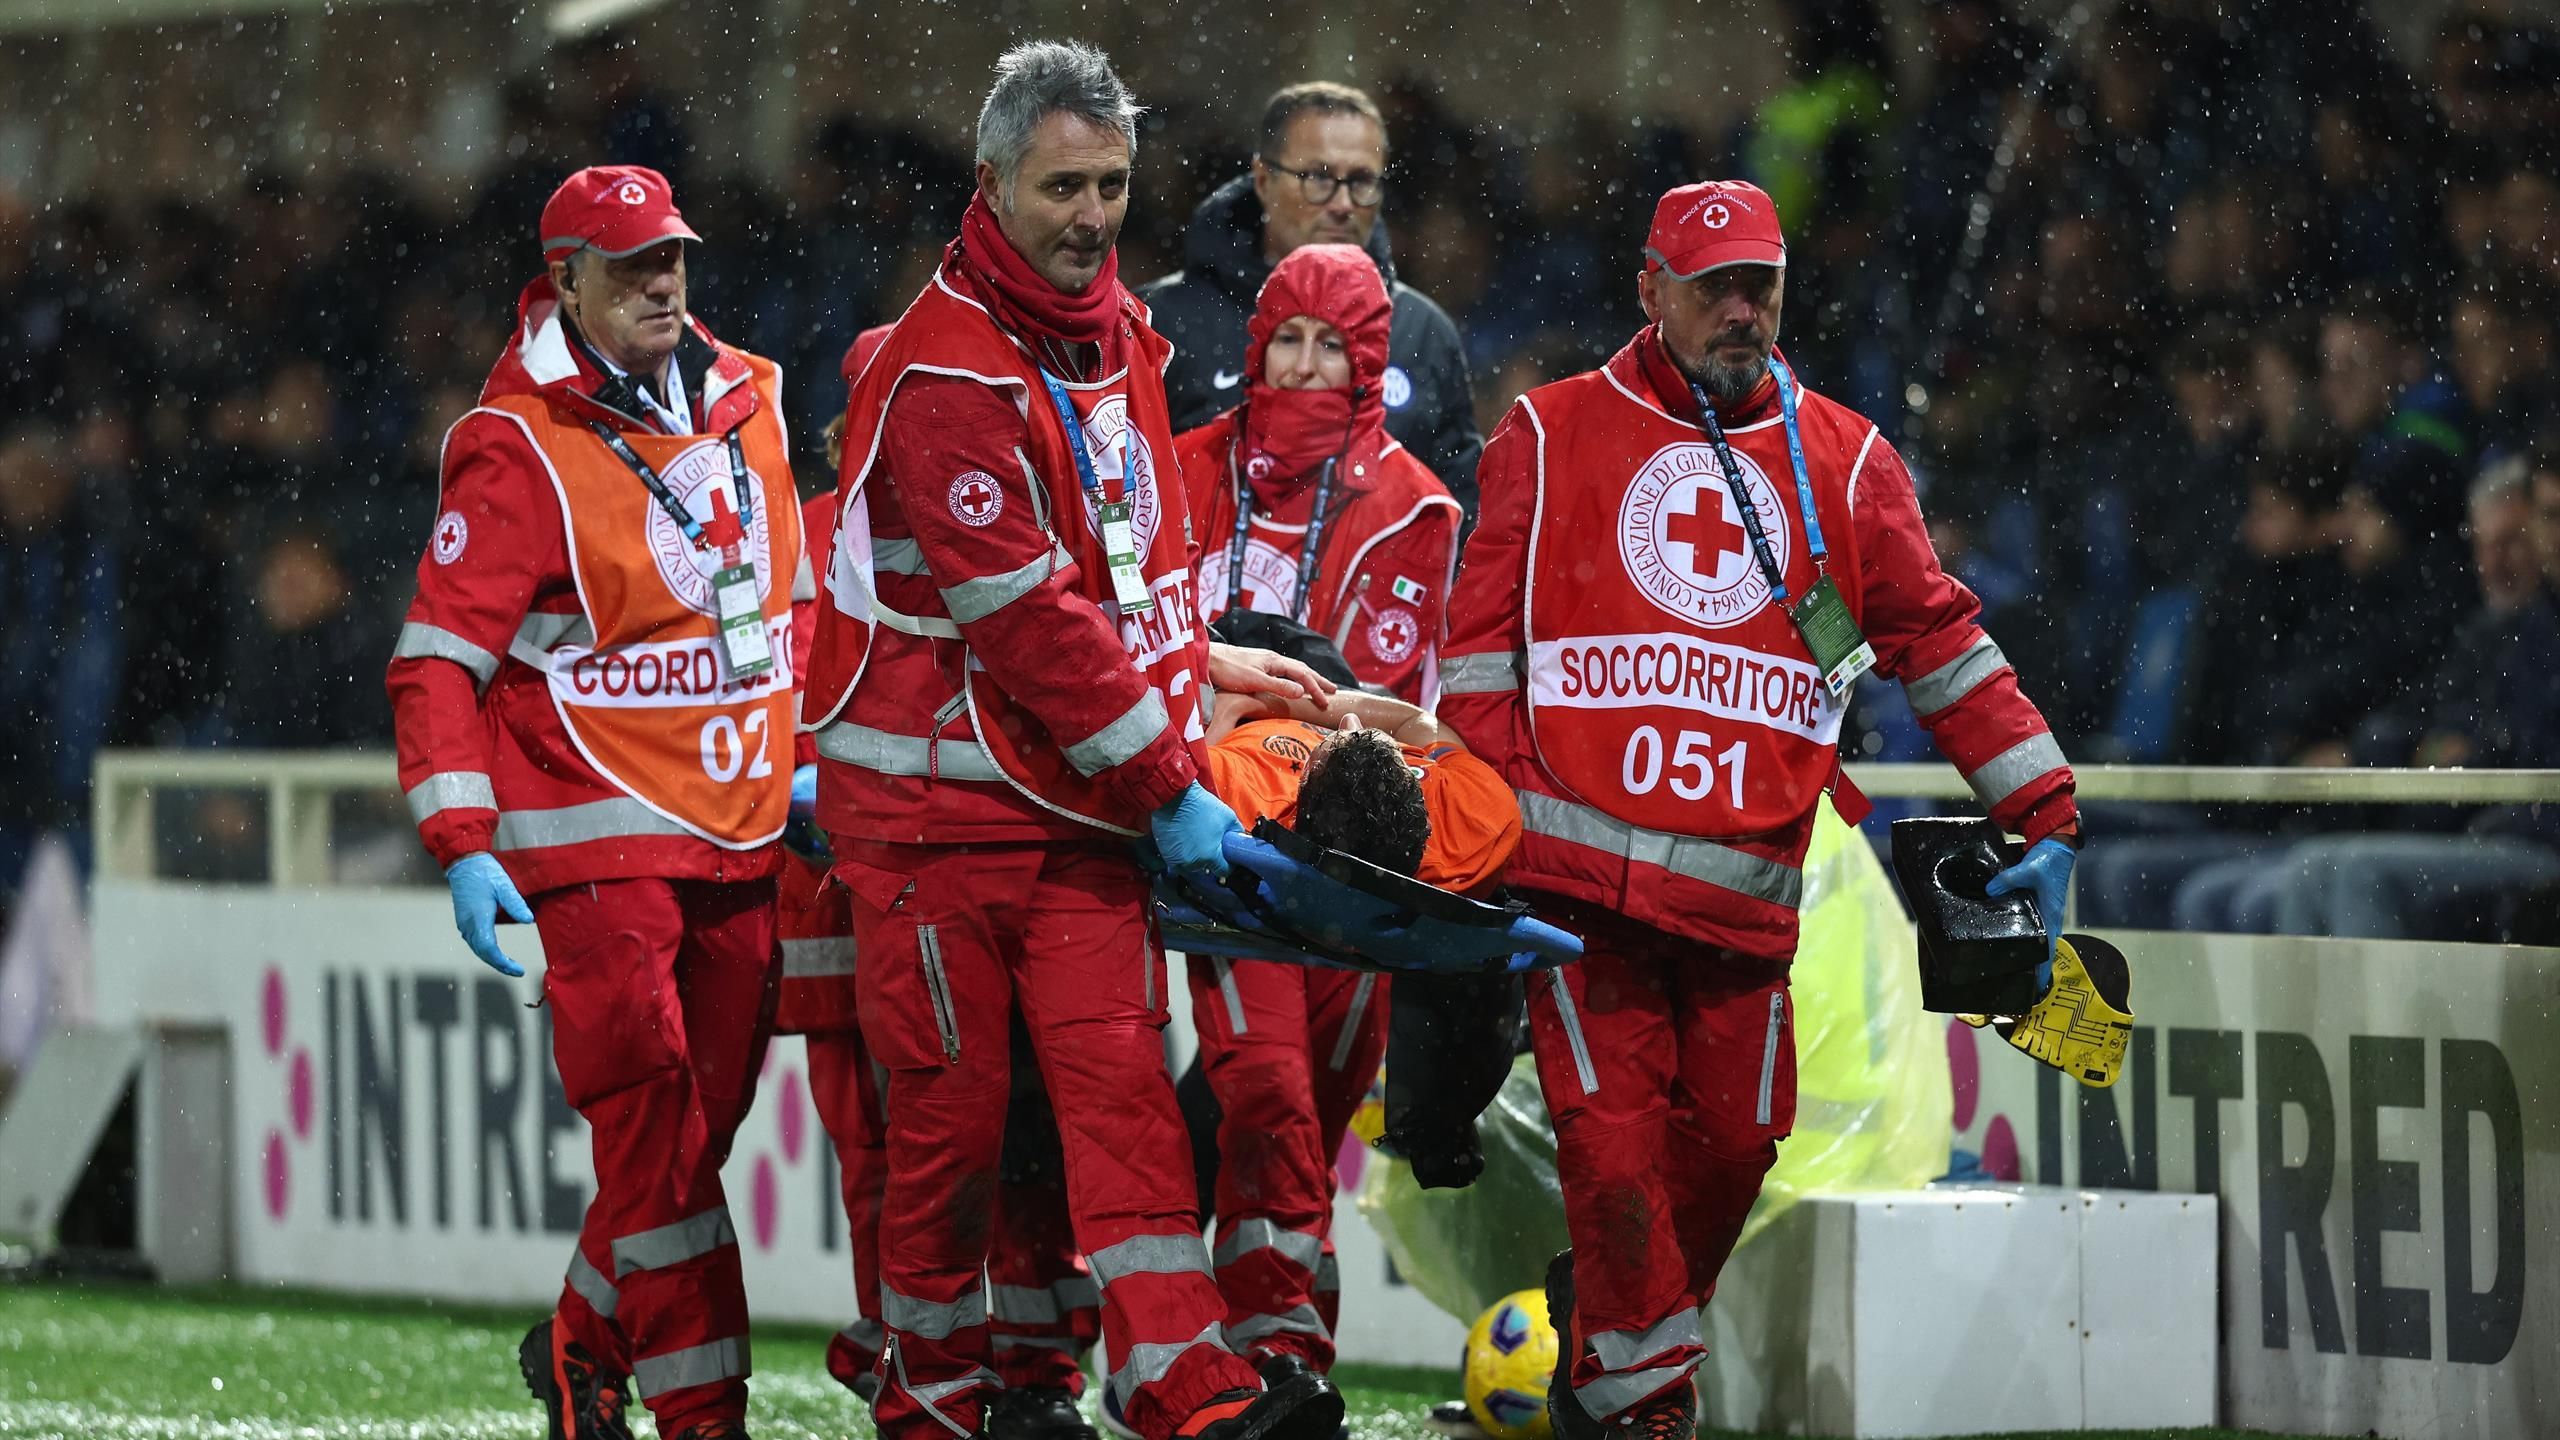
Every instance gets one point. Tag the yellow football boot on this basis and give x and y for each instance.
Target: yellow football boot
(2082, 1025)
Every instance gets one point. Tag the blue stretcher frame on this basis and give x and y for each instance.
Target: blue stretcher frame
(1290, 900)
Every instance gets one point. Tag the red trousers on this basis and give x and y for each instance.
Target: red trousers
(1290, 1051)
(953, 941)
(1670, 1071)
(1042, 1304)
(661, 996)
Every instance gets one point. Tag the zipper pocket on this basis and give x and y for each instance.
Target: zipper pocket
(1769, 1053)
(938, 987)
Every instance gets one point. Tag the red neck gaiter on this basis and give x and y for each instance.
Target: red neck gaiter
(1022, 299)
(1672, 391)
(1289, 433)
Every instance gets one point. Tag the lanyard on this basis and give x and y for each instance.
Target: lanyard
(1742, 494)
(666, 498)
(1310, 550)
(1075, 439)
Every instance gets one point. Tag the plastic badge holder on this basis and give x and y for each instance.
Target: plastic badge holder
(1286, 898)
(1978, 952)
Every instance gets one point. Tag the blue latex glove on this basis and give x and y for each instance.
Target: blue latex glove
(804, 791)
(2045, 874)
(480, 890)
(1191, 831)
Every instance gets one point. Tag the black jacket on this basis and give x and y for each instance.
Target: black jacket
(1203, 307)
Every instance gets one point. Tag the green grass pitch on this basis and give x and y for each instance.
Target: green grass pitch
(107, 1360)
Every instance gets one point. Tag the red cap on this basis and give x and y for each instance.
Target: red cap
(615, 209)
(1712, 224)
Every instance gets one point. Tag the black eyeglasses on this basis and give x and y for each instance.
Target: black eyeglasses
(1367, 186)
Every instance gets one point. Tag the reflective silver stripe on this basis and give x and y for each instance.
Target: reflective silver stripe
(1328, 1276)
(695, 1235)
(1572, 1018)
(450, 790)
(1297, 1320)
(1351, 1019)
(1479, 674)
(1246, 1236)
(877, 750)
(577, 824)
(1950, 682)
(1610, 1394)
(544, 629)
(1769, 1055)
(1234, 998)
(977, 599)
(420, 641)
(1150, 1255)
(1704, 860)
(865, 1333)
(1002, 1341)
(1148, 1364)
(2015, 768)
(1025, 1305)
(930, 1397)
(1628, 1349)
(897, 557)
(932, 1319)
(591, 1285)
(811, 959)
(700, 1365)
(1119, 741)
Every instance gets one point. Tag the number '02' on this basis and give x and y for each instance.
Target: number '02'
(724, 748)
(1692, 773)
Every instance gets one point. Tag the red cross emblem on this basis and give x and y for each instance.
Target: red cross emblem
(1707, 532)
(724, 533)
(975, 499)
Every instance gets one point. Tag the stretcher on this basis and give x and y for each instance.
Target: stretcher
(1286, 898)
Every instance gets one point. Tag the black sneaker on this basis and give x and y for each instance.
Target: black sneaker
(715, 1430)
(1565, 1415)
(1303, 1407)
(1280, 1367)
(1452, 1419)
(1041, 1412)
(580, 1400)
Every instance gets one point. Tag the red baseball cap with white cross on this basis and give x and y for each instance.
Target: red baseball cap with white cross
(617, 210)
(1712, 224)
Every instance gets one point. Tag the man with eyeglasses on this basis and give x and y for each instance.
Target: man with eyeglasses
(1319, 177)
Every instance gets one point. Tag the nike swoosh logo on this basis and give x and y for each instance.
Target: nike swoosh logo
(1227, 380)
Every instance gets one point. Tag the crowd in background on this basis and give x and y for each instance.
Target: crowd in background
(2228, 397)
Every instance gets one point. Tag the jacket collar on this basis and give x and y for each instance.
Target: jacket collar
(550, 358)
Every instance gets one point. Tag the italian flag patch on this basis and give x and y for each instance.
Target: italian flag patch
(1408, 592)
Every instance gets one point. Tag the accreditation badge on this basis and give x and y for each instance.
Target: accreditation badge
(1840, 650)
(1120, 549)
(742, 633)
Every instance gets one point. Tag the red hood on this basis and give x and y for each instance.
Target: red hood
(544, 358)
(1339, 285)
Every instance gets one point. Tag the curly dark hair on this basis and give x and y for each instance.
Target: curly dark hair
(1361, 798)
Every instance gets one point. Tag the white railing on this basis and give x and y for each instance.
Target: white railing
(300, 784)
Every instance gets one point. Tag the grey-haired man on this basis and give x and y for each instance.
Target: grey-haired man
(1005, 683)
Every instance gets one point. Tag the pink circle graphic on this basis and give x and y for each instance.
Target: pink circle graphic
(1351, 1160)
(767, 1202)
(2000, 1149)
(271, 1027)
(795, 1116)
(1964, 1068)
(297, 1093)
(279, 1176)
